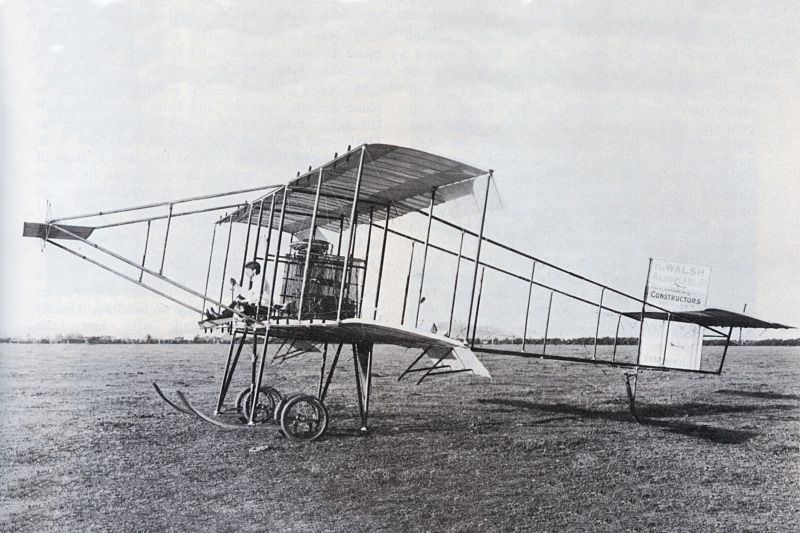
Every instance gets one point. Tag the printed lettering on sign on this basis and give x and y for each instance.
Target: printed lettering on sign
(675, 287)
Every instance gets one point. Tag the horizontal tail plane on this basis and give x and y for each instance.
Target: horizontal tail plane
(53, 231)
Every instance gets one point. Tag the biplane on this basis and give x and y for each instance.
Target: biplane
(327, 243)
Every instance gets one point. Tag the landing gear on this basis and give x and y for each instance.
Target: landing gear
(302, 417)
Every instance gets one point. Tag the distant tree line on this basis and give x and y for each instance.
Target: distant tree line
(100, 339)
(629, 341)
(558, 340)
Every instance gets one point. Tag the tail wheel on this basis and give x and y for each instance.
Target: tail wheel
(303, 418)
(268, 399)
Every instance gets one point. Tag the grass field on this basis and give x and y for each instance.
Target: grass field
(544, 446)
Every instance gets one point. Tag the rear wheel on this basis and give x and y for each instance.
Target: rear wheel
(303, 418)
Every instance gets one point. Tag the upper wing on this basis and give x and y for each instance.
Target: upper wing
(390, 176)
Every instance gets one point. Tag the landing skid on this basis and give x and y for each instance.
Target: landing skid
(204, 417)
(188, 409)
(170, 402)
(303, 417)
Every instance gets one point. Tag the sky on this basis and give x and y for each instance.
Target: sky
(618, 131)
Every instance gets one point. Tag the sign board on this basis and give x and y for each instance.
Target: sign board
(675, 287)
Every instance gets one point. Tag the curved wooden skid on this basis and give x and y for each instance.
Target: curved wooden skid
(209, 419)
(170, 402)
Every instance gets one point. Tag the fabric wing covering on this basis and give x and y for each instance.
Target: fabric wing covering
(457, 355)
(402, 178)
(711, 318)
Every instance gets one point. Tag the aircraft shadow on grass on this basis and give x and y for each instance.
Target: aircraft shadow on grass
(654, 415)
(759, 394)
(660, 416)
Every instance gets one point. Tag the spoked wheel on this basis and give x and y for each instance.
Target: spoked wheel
(303, 418)
(276, 396)
(268, 399)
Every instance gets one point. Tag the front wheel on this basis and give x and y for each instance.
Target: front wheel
(268, 398)
(303, 418)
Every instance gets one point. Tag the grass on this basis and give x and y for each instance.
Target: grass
(544, 446)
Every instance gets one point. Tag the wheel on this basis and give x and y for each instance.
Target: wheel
(303, 418)
(276, 396)
(240, 398)
(281, 403)
(268, 399)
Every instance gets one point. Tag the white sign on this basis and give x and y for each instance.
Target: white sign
(675, 287)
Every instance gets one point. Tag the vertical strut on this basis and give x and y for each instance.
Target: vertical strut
(166, 237)
(383, 256)
(644, 305)
(246, 242)
(425, 255)
(408, 281)
(455, 287)
(477, 308)
(528, 306)
(597, 327)
(225, 264)
(341, 231)
(349, 285)
(478, 253)
(358, 382)
(725, 351)
(258, 229)
(363, 382)
(322, 370)
(257, 385)
(277, 256)
(230, 366)
(312, 230)
(266, 254)
(144, 256)
(330, 372)
(353, 215)
(666, 340)
(366, 262)
(547, 324)
(616, 336)
(369, 389)
(208, 272)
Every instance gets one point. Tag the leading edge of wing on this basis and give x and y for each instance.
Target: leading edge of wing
(354, 330)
